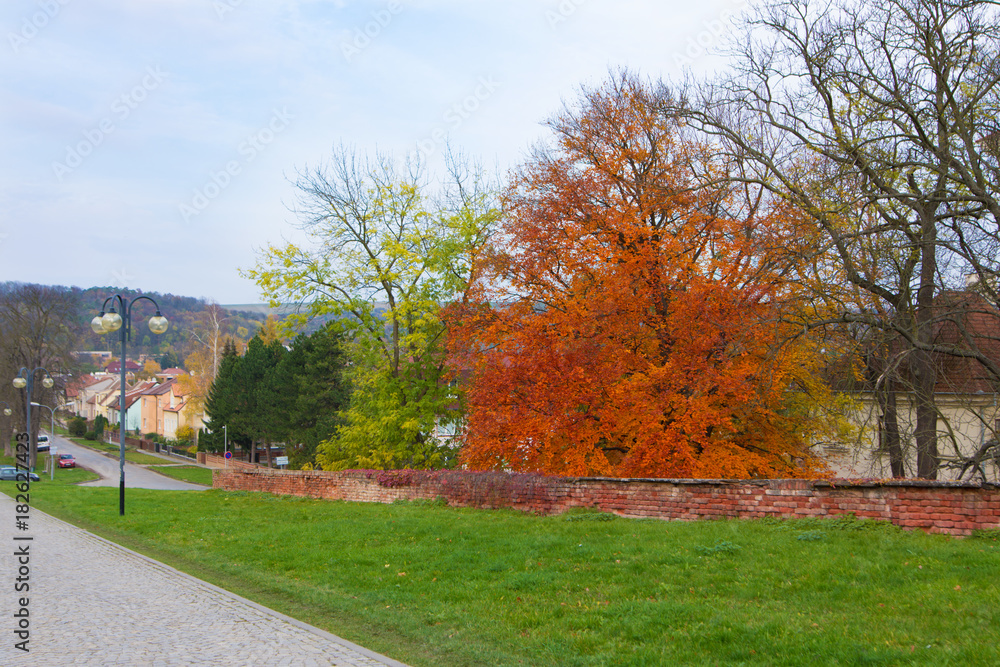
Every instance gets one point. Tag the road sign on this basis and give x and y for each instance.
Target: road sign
(229, 455)
(281, 460)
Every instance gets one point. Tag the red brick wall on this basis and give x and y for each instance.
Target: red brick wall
(942, 507)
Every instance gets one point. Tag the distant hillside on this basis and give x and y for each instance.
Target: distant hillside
(263, 310)
(182, 312)
(260, 308)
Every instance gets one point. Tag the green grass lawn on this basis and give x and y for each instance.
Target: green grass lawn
(143, 459)
(433, 585)
(63, 476)
(193, 474)
(99, 445)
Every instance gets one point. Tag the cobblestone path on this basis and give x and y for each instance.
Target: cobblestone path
(92, 602)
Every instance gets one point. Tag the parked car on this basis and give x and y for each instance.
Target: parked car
(67, 461)
(10, 472)
(43, 443)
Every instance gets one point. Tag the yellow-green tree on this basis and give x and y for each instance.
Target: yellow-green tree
(150, 369)
(384, 256)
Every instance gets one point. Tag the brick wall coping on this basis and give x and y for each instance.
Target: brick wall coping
(833, 483)
(956, 508)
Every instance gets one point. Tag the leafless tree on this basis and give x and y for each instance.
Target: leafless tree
(37, 325)
(879, 121)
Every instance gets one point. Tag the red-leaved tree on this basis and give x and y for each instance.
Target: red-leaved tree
(625, 318)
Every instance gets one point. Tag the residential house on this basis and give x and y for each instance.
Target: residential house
(75, 392)
(104, 399)
(91, 396)
(966, 396)
(115, 367)
(165, 409)
(132, 406)
(152, 403)
(170, 374)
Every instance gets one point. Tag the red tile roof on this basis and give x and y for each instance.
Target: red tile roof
(968, 323)
(130, 366)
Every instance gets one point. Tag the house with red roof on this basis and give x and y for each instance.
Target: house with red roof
(132, 406)
(91, 395)
(165, 409)
(115, 367)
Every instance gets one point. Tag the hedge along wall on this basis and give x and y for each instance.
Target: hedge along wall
(956, 508)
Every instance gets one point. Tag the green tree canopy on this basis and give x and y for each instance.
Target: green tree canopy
(307, 392)
(385, 257)
(220, 404)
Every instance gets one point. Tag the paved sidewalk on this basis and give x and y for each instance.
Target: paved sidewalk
(92, 602)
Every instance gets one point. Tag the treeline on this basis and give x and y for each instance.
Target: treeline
(74, 308)
(687, 276)
(37, 338)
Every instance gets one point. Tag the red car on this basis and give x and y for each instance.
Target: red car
(67, 461)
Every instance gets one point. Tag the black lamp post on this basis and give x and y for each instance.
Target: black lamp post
(6, 434)
(52, 432)
(108, 322)
(26, 380)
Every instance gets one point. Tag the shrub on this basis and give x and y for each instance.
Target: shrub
(720, 547)
(78, 427)
(90, 435)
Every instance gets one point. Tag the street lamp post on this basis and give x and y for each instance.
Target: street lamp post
(25, 380)
(52, 417)
(6, 434)
(52, 433)
(107, 322)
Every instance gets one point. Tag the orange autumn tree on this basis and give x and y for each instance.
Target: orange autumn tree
(625, 320)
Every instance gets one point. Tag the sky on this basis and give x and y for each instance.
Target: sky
(154, 144)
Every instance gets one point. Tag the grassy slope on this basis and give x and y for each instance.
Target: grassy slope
(193, 474)
(433, 585)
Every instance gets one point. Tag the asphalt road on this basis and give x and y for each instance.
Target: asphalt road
(136, 477)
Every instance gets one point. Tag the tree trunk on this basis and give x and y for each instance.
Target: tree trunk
(921, 360)
(922, 367)
(889, 428)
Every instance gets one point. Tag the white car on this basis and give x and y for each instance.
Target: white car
(43, 443)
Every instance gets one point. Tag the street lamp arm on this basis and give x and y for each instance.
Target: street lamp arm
(104, 306)
(157, 323)
(144, 298)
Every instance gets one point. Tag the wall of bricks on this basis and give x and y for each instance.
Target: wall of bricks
(956, 508)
